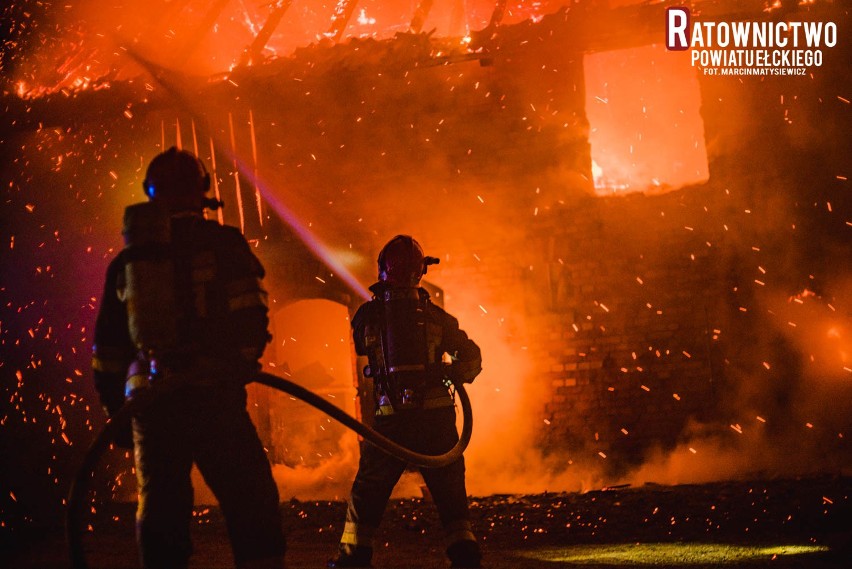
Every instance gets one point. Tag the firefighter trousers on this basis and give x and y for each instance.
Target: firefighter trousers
(430, 431)
(211, 428)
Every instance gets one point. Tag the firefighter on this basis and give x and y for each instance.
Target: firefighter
(184, 305)
(406, 339)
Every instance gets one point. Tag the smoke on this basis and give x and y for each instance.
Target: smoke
(747, 453)
(784, 345)
(505, 396)
(509, 395)
(331, 479)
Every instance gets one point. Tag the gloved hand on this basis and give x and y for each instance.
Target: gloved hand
(463, 372)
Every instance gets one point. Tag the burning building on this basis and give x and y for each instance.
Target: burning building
(652, 259)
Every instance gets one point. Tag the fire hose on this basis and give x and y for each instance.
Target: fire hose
(144, 397)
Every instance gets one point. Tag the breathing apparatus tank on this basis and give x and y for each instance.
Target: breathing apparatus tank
(176, 182)
(149, 280)
(405, 347)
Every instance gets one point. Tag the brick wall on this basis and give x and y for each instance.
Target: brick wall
(626, 305)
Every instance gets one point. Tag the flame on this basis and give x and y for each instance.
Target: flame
(364, 20)
(644, 138)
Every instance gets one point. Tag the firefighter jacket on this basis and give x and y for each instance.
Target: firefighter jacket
(405, 338)
(220, 314)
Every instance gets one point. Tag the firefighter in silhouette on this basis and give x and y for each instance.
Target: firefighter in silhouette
(183, 305)
(407, 340)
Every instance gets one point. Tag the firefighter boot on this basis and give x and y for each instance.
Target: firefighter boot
(465, 554)
(352, 556)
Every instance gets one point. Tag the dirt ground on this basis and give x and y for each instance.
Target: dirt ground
(777, 523)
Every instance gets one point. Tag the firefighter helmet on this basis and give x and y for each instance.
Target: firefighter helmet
(174, 175)
(402, 262)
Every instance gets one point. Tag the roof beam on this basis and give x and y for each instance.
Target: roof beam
(340, 19)
(253, 52)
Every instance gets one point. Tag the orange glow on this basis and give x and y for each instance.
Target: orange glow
(644, 126)
(91, 38)
(482, 164)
